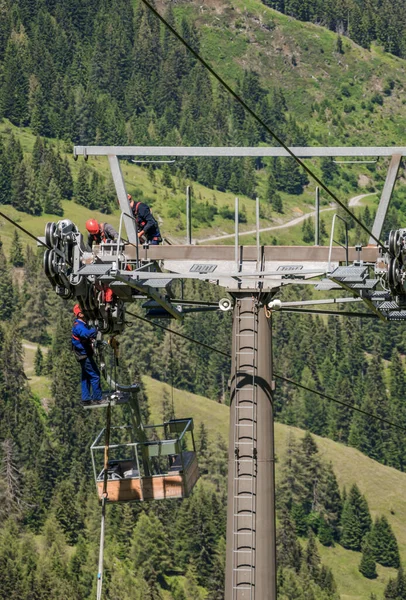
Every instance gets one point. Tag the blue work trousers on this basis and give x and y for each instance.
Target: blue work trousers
(90, 380)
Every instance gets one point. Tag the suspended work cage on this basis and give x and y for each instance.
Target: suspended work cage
(149, 469)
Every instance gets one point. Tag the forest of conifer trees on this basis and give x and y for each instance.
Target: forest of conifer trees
(98, 72)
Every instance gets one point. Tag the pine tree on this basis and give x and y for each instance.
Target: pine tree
(367, 565)
(6, 288)
(53, 200)
(16, 251)
(5, 176)
(383, 544)
(38, 361)
(149, 547)
(355, 520)
(11, 483)
(288, 547)
(82, 189)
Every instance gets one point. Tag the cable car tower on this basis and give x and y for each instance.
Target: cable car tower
(374, 276)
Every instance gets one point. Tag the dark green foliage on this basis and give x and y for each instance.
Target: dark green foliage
(363, 21)
(38, 361)
(5, 176)
(396, 588)
(367, 565)
(383, 544)
(308, 231)
(6, 288)
(355, 521)
(16, 251)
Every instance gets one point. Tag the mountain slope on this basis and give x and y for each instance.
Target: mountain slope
(333, 93)
(384, 487)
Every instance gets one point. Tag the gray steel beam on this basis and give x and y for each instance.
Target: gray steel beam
(251, 532)
(317, 219)
(296, 254)
(302, 152)
(386, 196)
(188, 216)
(150, 293)
(125, 208)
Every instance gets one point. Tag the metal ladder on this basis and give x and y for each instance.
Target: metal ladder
(245, 448)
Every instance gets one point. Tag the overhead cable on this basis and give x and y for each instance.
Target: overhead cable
(280, 377)
(260, 121)
(23, 229)
(182, 335)
(359, 410)
(336, 313)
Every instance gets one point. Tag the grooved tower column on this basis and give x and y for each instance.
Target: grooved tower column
(251, 548)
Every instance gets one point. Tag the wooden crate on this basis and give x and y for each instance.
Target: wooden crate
(175, 484)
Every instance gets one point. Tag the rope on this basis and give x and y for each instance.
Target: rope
(260, 121)
(104, 501)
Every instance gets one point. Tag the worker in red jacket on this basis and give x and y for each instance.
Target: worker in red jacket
(83, 336)
(100, 232)
(148, 229)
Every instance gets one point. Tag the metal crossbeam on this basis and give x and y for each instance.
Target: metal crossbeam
(185, 151)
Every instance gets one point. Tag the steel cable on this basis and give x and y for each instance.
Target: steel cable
(280, 377)
(260, 121)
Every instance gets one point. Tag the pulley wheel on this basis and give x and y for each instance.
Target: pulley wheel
(394, 243)
(225, 304)
(394, 275)
(48, 270)
(50, 234)
(65, 293)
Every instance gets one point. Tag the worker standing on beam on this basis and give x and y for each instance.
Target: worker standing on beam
(148, 229)
(83, 337)
(100, 232)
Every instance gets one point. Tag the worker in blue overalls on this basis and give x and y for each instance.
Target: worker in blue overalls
(82, 344)
(148, 229)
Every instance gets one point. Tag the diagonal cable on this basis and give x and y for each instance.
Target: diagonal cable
(260, 121)
(22, 229)
(280, 377)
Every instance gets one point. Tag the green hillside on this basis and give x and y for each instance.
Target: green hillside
(383, 487)
(330, 92)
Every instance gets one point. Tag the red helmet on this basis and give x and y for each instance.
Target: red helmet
(77, 310)
(92, 226)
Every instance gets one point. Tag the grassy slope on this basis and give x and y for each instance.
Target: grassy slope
(301, 59)
(383, 486)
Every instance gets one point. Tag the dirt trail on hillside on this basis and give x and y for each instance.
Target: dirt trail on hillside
(355, 201)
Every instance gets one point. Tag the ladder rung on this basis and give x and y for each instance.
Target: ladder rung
(250, 495)
(243, 569)
(239, 587)
(249, 514)
(245, 551)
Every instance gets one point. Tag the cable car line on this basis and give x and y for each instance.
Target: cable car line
(260, 121)
(23, 229)
(280, 377)
(336, 313)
